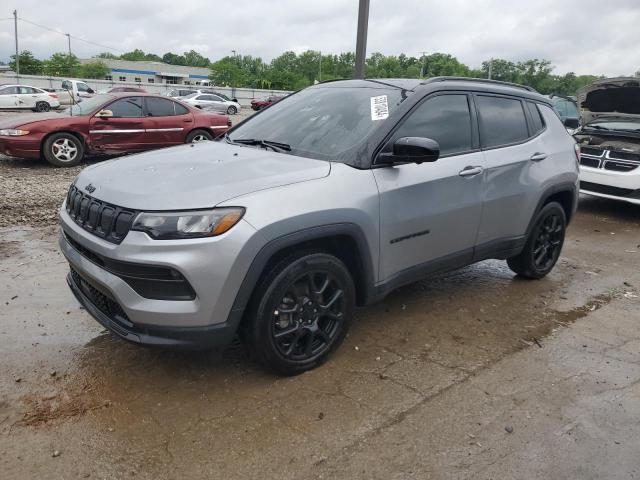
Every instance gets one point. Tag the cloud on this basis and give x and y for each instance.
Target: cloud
(584, 36)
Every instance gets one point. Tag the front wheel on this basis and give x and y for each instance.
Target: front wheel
(63, 150)
(232, 110)
(198, 136)
(301, 313)
(544, 244)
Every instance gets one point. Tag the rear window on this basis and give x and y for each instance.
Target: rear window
(502, 121)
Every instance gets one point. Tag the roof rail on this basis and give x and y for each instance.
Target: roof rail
(478, 80)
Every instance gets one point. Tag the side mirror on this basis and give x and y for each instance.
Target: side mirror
(412, 150)
(571, 122)
(104, 114)
(90, 90)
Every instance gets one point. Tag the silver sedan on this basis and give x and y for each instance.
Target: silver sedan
(209, 101)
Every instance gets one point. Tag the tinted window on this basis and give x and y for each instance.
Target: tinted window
(9, 91)
(444, 118)
(502, 121)
(127, 107)
(28, 90)
(159, 107)
(538, 122)
(83, 87)
(180, 109)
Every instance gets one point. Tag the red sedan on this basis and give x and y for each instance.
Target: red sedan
(108, 124)
(259, 104)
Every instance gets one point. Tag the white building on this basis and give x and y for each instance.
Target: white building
(146, 73)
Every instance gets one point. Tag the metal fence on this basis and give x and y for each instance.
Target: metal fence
(244, 95)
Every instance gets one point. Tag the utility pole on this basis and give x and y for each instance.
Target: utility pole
(15, 29)
(423, 69)
(69, 42)
(361, 39)
(320, 68)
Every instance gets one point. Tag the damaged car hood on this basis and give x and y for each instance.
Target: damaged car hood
(619, 97)
(194, 176)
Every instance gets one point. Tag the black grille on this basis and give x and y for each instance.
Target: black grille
(618, 155)
(100, 300)
(596, 152)
(619, 166)
(100, 218)
(589, 162)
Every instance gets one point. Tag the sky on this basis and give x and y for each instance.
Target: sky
(599, 37)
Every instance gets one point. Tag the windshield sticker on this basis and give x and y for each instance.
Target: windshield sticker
(379, 108)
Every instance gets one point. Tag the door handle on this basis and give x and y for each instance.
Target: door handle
(538, 156)
(470, 171)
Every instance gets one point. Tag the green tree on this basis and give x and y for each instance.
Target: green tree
(29, 65)
(227, 72)
(173, 59)
(62, 65)
(107, 56)
(194, 59)
(94, 69)
(138, 55)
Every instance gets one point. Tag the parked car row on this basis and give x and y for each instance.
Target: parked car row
(28, 98)
(115, 123)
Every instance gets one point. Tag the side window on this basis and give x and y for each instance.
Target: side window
(536, 117)
(446, 119)
(127, 107)
(215, 98)
(180, 109)
(159, 107)
(27, 90)
(66, 85)
(83, 87)
(502, 121)
(9, 91)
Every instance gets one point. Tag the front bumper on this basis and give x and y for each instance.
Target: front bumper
(214, 267)
(27, 146)
(624, 186)
(191, 338)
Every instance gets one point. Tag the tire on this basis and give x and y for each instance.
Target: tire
(198, 136)
(42, 107)
(544, 243)
(232, 110)
(63, 150)
(300, 313)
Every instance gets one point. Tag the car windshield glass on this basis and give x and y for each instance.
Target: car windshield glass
(616, 125)
(326, 122)
(87, 105)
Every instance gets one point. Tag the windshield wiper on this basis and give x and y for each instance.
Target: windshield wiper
(597, 127)
(275, 146)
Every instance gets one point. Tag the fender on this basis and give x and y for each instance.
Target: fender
(299, 237)
(550, 191)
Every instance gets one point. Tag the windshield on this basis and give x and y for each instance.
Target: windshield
(631, 125)
(326, 122)
(88, 105)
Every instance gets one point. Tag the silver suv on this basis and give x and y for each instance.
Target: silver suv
(329, 199)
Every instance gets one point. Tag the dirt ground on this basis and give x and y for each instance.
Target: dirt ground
(472, 374)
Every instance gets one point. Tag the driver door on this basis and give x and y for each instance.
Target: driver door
(430, 213)
(122, 132)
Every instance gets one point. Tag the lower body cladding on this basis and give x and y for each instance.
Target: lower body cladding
(113, 283)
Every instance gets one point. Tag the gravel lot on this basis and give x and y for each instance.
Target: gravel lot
(32, 190)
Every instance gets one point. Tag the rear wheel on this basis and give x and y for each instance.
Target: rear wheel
(63, 150)
(544, 244)
(198, 136)
(301, 312)
(42, 107)
(232, 110)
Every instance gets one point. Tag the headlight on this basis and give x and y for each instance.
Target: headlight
(190, 224)
(12, 132)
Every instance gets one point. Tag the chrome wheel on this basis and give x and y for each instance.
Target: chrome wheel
(64, 150)
(199, 138)
(42, 107)
(308, 317)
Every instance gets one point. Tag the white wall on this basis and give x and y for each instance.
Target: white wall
(244, 95)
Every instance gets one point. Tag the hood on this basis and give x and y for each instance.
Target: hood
(615, 96)
(25, 118)
(195, 176)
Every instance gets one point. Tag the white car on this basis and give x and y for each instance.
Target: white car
(26, 97)
(609, 139)
(209, 101)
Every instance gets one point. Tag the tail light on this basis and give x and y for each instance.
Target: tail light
(53, 95)
(576, 149)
